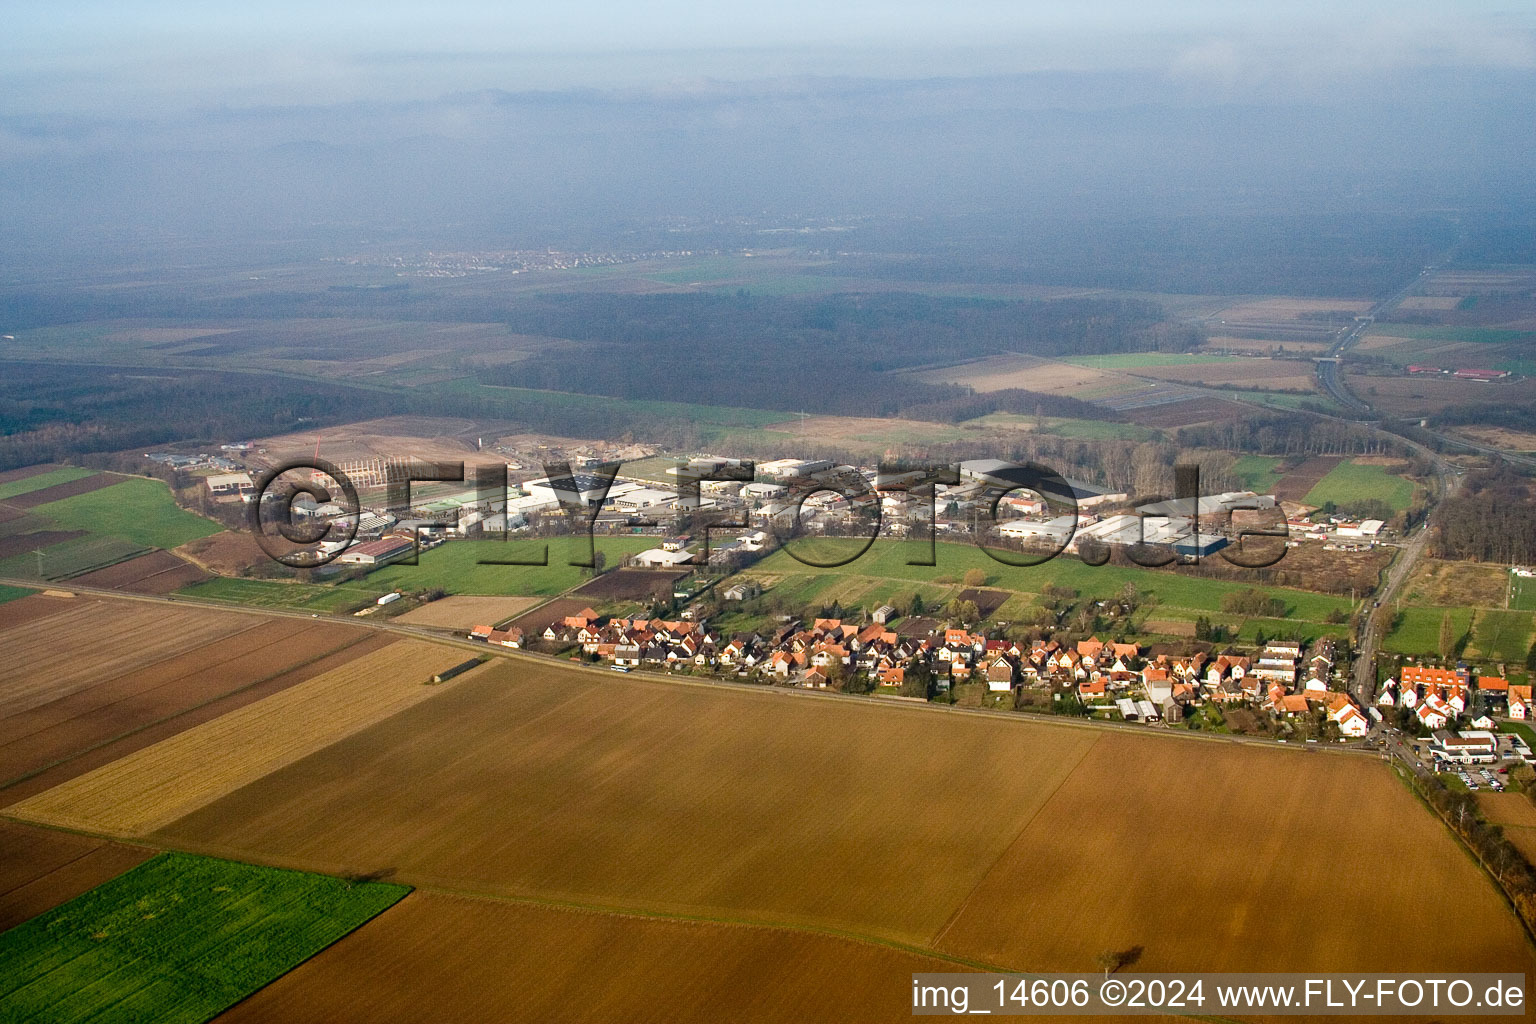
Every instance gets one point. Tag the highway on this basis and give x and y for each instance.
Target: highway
(1331, 376)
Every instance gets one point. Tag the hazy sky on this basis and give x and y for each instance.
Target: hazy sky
(84, 57)
(213, 119)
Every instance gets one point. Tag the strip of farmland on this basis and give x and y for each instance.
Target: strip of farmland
(614, 791)
(159, 784)
(84, 642)
(56, 740)
(438, 957)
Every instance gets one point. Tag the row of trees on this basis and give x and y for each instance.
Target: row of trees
(1491, 519)
(1290, 434)
(1486, 840)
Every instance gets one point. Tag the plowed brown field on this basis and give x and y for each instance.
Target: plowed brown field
(84, 642)
(1023, 844)
(445, 958)
(621, 792)
(40, 869)
(158, 572)
(118, 706)
(159, 784)
(1234, 858)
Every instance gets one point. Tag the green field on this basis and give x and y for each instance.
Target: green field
(26, 485)
(454, 566)
(887, 561)
(176, 940)
(1524, 595)
(1350, 481)
(137, 510)
(13, 593)
(1478, 335)
(1258, 473)
(70, 558)
(308, 597)
(1501, 635)
(1418, 633)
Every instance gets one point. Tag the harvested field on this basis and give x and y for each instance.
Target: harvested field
(83, 643)
(455, 612)
(84, 485)
(1259, 374)
(21, 543)
(1421, 396)
(863, 432)
(1508, 809)
(1263, 346)
(444, 957)
(1031, 373)
(1430, 302)
(1187, 412)
(1275, 827)
(623, 792)
(159, 784)
(118, 707)
(627, 794)
(224, 553)
(1524, 840)
(630, 584)
(1300, 479)
(122, 739)
(1468, 584)
(1501, 437)
(539, 619)
(397, 437)
(41, 868)
(1169, 627)
(1294, 308)
(158, 572)
(38, 606)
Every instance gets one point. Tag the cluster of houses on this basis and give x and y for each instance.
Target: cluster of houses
(1439, 696)
(1283, 678)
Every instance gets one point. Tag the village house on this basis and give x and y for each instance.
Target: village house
(1520, 702)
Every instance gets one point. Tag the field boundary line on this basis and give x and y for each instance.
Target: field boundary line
(954, 916)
